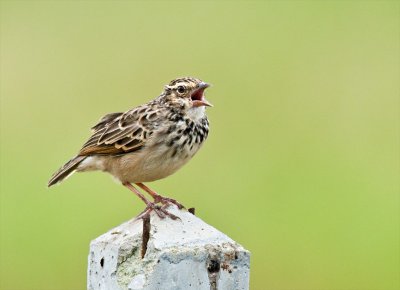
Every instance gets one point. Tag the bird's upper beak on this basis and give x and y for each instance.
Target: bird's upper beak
(198, 96)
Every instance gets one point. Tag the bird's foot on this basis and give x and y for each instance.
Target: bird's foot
(159, 198)
(159, 210)
(167, 201)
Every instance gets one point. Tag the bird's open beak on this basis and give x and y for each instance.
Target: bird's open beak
(198, 98)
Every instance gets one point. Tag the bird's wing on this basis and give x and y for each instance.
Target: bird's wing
(105, 120)
(120, 133)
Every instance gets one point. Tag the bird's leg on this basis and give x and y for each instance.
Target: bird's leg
(150, 206)
(137, 192)
(159, 198)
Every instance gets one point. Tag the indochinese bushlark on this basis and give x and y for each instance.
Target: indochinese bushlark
(148, 142)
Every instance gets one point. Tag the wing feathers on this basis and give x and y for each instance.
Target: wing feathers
(119, 133)
(107, 118)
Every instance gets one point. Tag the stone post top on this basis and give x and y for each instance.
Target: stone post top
(166, 233)
(155, 253)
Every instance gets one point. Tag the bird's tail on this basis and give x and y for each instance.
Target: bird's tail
(66, 170)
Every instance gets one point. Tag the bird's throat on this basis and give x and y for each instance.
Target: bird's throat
(196, 113)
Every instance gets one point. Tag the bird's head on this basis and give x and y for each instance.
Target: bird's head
(187, 94)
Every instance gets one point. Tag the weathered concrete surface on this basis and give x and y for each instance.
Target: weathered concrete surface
(181, 254)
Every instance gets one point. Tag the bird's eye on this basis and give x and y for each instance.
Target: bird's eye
(181, 89)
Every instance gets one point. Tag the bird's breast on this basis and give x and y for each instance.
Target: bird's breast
(169, 150)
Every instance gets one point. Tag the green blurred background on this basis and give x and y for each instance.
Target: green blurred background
(302, 163)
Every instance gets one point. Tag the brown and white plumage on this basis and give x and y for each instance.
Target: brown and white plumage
(148, 142)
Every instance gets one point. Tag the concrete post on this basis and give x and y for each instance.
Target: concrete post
(167, 255)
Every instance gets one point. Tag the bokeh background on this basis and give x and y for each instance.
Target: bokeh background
(302, 163)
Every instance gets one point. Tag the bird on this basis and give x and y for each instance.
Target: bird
(147, 143)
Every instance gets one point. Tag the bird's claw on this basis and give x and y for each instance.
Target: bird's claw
(167, 201)
(161, 211)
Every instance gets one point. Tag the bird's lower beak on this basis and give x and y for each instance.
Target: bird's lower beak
(202, 102)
